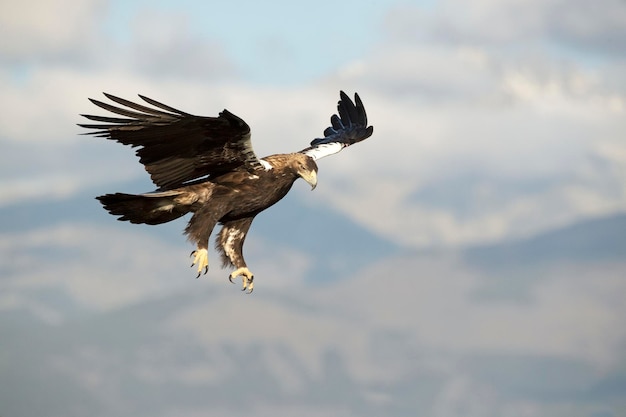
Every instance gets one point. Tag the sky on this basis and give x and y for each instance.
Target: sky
(494, 121)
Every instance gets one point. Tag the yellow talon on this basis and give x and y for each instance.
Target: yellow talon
(201, 258)
(246, 276)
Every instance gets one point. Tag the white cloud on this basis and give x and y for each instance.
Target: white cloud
(597, 28)
(40, 30)
(164, 45)
(569, 314)
(441, 111)
(486, 126)
(101, 269)
(133, 270)
(554, 140)
(496, 116)
(54, 187)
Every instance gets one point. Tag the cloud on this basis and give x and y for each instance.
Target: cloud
(163, 45)
(409, 324)
(491, 121)
(478, 112)
(599, 29)
(570, 309)
(464, 113)
(511, 24)
(454, 174)
(95, 269)
(37, 31)
(68, 256)
(484, 22)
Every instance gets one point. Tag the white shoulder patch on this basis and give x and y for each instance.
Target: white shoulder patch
(265, 164)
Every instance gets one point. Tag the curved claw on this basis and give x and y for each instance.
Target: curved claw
(200, 272)
(201, 258)
(250, 285)
(246, 276)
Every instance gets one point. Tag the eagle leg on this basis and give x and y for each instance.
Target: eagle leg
(246, 276)
(229, 243)
(198, 231)
(201, 257)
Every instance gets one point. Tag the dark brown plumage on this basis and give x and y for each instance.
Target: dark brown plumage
(206, 166)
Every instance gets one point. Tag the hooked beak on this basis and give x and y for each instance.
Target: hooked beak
(311, 178)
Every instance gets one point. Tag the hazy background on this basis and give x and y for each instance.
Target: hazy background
(467, 260)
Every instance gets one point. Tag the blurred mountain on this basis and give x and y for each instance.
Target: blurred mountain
(596, 239)
(484, 331)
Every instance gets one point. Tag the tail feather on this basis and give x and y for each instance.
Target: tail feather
(155, 208)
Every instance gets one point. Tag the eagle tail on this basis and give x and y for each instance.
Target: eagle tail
(153, 208)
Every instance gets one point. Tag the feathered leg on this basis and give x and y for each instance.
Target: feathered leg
(199, 230)
(229, 243)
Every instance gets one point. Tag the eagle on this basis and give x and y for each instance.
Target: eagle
(207, 166)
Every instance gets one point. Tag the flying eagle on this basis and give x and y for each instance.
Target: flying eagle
(206, 166)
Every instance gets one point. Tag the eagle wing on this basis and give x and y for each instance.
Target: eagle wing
(176, 147)
(347, 128)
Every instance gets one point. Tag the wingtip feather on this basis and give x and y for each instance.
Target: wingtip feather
(162, 106)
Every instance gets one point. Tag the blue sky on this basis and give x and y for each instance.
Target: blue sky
(488, 97)
(494, 120)
(273, 42)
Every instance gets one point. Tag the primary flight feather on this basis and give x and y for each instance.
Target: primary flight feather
(206, 166)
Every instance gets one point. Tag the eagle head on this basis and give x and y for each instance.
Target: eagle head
(306, 168)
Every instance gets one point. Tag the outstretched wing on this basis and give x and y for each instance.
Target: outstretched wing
(176, 147)
(347, 128)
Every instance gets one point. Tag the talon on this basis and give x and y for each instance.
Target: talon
(201, 258)
(250, 284)
(246, 276)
